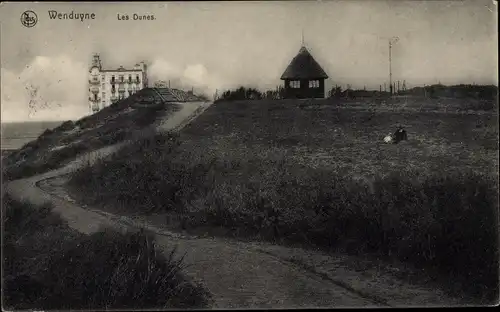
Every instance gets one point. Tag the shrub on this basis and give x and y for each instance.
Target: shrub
(147, 115)
(241, 93)
(47, 132)
(113, 137)
(120, 271)
(66, 126)
(86, 122)
(48, 266)
(22, 171)
(68, 152)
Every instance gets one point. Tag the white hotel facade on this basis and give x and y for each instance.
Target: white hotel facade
(107, 86)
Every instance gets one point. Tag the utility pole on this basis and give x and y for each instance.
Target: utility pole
(390, 67)
(391, 42)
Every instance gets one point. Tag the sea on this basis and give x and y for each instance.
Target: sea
(16, 134)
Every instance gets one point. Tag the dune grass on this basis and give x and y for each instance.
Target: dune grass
(447, 221)
(113, 124)
(49, 266)
(315, 173)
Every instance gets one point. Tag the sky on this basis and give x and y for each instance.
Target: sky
(213, 45)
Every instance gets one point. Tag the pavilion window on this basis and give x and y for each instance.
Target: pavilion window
(295, 84)
(313, 83)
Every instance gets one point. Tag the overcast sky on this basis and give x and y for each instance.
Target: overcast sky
(216, 45)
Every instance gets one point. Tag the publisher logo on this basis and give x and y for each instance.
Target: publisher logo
(29, 19)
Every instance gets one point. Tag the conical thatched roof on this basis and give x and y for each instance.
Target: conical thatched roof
(304, 66)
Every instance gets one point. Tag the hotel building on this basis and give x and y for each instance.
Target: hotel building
(106, 86)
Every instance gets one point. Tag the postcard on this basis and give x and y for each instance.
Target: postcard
(249, 154)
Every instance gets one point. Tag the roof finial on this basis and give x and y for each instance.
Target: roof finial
(302, 36)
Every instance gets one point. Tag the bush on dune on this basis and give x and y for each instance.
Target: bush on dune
(49, 266)
(66, 126)
(120, 271)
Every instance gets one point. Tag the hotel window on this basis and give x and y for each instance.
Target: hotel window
(295, 84)
(113, 79)
(129, 78)
(121, 78)
(313, 83)
(113, 89)
(137, 79)
(103, 79)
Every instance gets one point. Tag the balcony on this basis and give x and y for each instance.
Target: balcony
(94, 81)
(94, 100)
(121, 88)
(94, 88)
(95, 107)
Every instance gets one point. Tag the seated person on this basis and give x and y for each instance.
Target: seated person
(400, 135)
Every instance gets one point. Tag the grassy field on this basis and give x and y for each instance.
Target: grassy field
(349, 140)
(317, 173)
(121, 121)
(49, 266)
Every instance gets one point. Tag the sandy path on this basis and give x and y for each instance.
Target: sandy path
(240, 274)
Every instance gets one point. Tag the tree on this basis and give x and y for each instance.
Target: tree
(36, 101)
